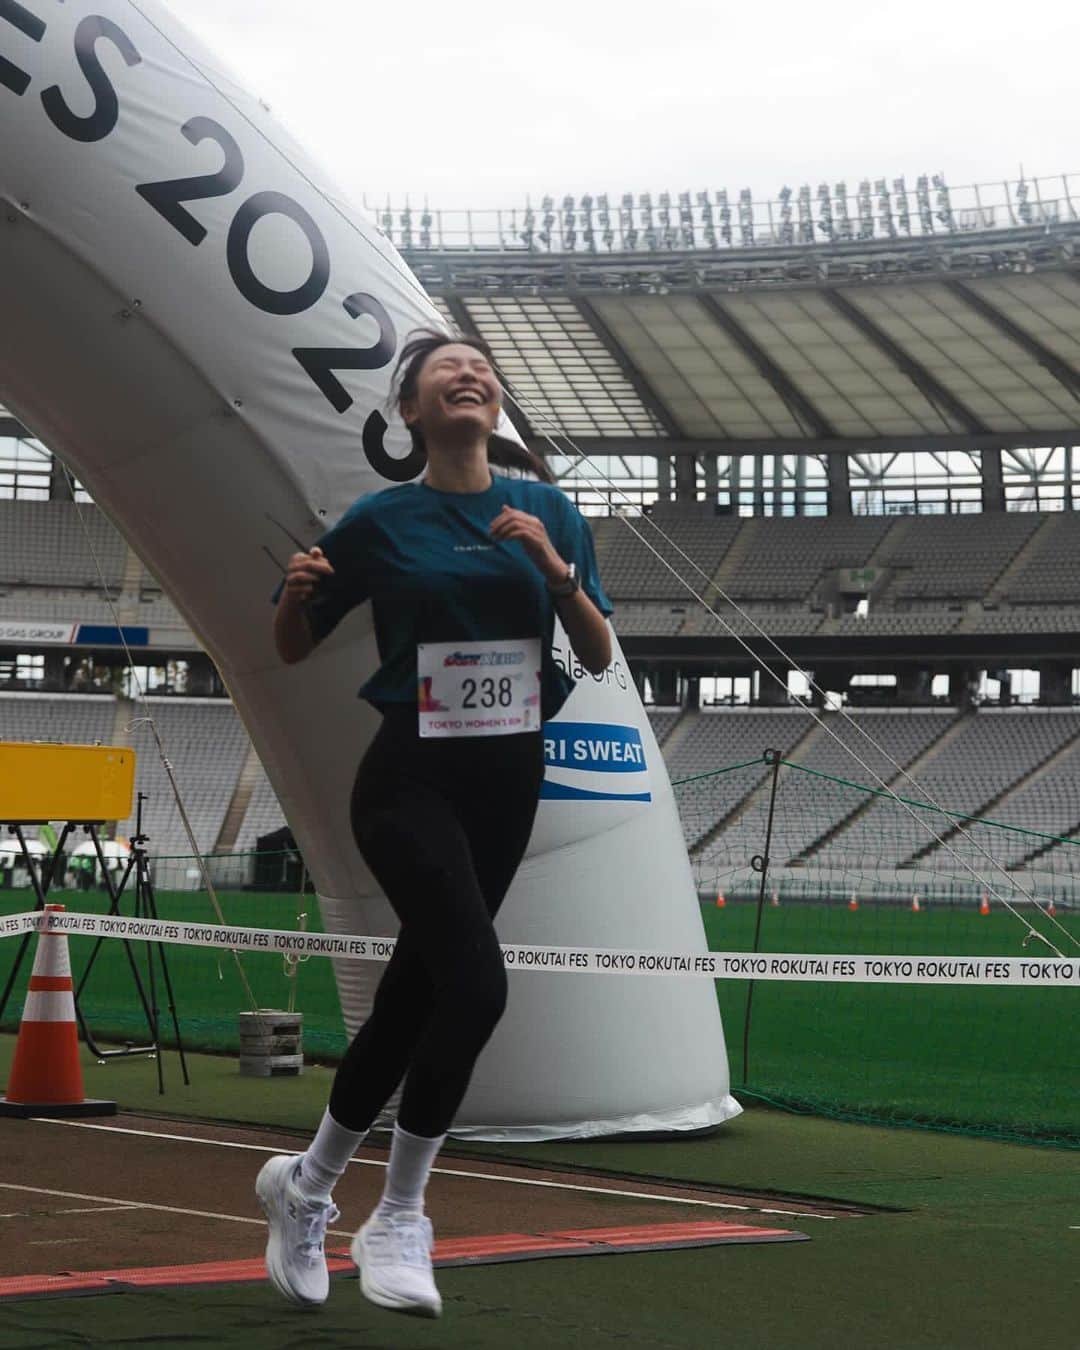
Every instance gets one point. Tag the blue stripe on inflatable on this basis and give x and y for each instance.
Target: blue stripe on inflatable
(563, 792)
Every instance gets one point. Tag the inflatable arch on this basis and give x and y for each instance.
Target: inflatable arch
(200, 325)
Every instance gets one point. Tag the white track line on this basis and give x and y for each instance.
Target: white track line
(454, 1172)
(101, 1209)
(140, 1204)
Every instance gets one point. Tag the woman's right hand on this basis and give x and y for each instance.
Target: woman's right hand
(304, 572)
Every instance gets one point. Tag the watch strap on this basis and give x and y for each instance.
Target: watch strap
(571, 585)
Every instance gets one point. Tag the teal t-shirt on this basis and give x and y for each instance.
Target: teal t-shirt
(433, 573)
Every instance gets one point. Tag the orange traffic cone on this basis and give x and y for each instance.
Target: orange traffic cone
(720, 901)
(853, 903)
(46, 1076)
(915, 906)
(984, 904)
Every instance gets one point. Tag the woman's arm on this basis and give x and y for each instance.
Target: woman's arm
(585, 625)
(292, 630)
(586, 628)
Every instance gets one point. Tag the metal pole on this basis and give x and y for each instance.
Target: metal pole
(760, 864)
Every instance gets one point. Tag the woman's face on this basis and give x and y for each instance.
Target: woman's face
(457, 395)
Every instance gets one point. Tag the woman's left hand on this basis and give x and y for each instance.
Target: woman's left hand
(531, 534)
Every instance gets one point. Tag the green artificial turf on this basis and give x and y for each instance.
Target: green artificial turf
(209, 991)
(1001, 1060)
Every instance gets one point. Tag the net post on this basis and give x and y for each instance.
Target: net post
(760, 864)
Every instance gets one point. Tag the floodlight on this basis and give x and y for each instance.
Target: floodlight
(626, 221)
(548, 219)
(603, 216)
(903, 215)
(922, 200)
(587, 236)
(885, 208)
(686, 220)
(725, 215)
(668, 235)
(842, 215)
(647, 228)
(806, 218)
(866, 211)
(746, 217)
(825, 216)
(705, 208)
(1023, 207)
(569, 234)
(786, 232)
(944, 206)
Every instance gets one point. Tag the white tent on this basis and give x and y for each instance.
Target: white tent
(13, 860)
(116, 853)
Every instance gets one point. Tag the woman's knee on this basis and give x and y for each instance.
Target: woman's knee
(479, 994)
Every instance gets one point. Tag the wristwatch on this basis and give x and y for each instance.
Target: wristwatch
(562, 589)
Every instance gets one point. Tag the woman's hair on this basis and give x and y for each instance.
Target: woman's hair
(502, 451)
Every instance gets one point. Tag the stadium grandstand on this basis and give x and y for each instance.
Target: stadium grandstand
(842, 422)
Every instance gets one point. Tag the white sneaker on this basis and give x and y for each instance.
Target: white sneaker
(393, 1253)
(295, 1260)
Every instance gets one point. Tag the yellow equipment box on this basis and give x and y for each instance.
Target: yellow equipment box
(42, 781)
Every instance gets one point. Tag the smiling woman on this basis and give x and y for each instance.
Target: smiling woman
(466, 571)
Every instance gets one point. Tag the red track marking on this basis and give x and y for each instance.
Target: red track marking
(451, 1252)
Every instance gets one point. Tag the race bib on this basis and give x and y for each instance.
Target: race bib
(478, 688)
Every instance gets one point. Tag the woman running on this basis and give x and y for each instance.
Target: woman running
(466, 571)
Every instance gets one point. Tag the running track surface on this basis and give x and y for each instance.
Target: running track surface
(141, 1192)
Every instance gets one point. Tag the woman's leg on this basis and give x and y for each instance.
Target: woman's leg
(445, 989)
(443, 832)
(447, 913)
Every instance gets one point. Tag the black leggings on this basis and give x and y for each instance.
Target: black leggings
(443, 825)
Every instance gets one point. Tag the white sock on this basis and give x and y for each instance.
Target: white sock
(411, 1159)
(327, 1157)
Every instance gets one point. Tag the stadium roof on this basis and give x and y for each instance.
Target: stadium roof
(899, 319)
(991, 360)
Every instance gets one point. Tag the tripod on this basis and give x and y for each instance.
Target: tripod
(138, 865)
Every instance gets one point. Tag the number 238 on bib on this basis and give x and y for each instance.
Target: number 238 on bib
(478, 688)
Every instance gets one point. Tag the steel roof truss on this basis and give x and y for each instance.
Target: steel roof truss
(618, 354)
(1043, 356)
(931, 389)
(809, 417)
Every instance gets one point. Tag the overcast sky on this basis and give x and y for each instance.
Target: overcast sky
(480, 102)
